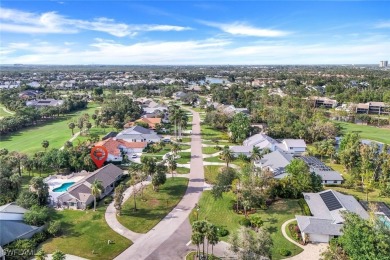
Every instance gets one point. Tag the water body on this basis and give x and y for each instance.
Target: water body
(212, 80)
(64, 187)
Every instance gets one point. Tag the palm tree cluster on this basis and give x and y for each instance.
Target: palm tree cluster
(179, 119)
(204, 233)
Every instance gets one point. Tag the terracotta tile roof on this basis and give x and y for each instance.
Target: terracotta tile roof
(112, 145)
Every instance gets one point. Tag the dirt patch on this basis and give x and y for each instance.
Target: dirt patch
(154, 202)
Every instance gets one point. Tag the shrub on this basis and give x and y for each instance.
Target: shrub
(284, 252)
(108, 200)
(58, 255)
(54, 228)
(21, 245)
(37, 216)
(222, 232)
(245, 222)
(304, 207)
(39, 237)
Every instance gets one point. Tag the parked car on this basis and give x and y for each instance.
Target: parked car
(133, 155)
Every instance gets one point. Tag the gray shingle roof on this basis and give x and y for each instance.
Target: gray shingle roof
(107, 175)
(12, 230)
(241, 149)
(276, 161)
(312, 225)
(329, 175)
(12, 208)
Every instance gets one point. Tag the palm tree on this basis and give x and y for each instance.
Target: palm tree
(212, 237)
(40, 255)
(175, 148)
(227, 155)
(135, 170)
(96, 190)
(255, 154)
(45, 144)
(171, 163)
(71, 127)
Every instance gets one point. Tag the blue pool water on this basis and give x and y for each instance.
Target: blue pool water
(64, 187)
(385, 220)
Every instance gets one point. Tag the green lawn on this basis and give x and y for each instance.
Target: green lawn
(154, 207)
(366, 132)
(3, 113)
(211, 172)
(220, 213)
(56, 132)
(185, 158)
(182, 170)
(209, 133)
(209, 150)
(85, 234)
(213, 159)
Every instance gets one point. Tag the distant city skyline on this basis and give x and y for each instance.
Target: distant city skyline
(194, 32)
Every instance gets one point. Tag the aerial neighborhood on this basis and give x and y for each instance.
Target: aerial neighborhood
(124, 162)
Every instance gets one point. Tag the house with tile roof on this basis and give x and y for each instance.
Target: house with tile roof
(117, 147)
(79, 196)
(327, 220)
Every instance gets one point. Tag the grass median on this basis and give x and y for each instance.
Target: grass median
(154, 206)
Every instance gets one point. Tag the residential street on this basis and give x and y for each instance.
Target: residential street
(152, 245)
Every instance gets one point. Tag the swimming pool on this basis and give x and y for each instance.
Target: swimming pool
(385, 220)
(64, 187)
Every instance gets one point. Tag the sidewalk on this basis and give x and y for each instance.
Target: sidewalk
(113, 222)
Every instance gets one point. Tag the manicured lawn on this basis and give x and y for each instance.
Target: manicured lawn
(367, 132)
(154, 207)
(209, 150)
(56, 132)
(209, 133)
(85, 234)
(220, 213)
(185, 157)
(182, 170)
(3, 112)
(211, 172)
(213, 159)
(372, 196)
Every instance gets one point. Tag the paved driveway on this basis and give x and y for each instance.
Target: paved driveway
(149, 245)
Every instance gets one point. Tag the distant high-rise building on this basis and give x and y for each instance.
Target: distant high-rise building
(383, 63)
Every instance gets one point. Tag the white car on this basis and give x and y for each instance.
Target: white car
(134, 156)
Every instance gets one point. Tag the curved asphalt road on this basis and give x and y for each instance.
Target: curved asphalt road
(168, 239)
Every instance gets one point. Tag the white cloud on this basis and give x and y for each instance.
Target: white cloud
(208, 51)
(242, 29)
(50, 22)
(385, 24)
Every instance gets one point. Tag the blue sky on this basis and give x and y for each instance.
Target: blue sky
(194, 32)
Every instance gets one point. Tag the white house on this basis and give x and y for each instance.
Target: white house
(139, 134)
(326, 220)
(295, 147)
(79, 196)
(116, 147)
(328, 175)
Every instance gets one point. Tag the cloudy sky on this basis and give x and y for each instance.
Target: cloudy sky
(194, 32)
